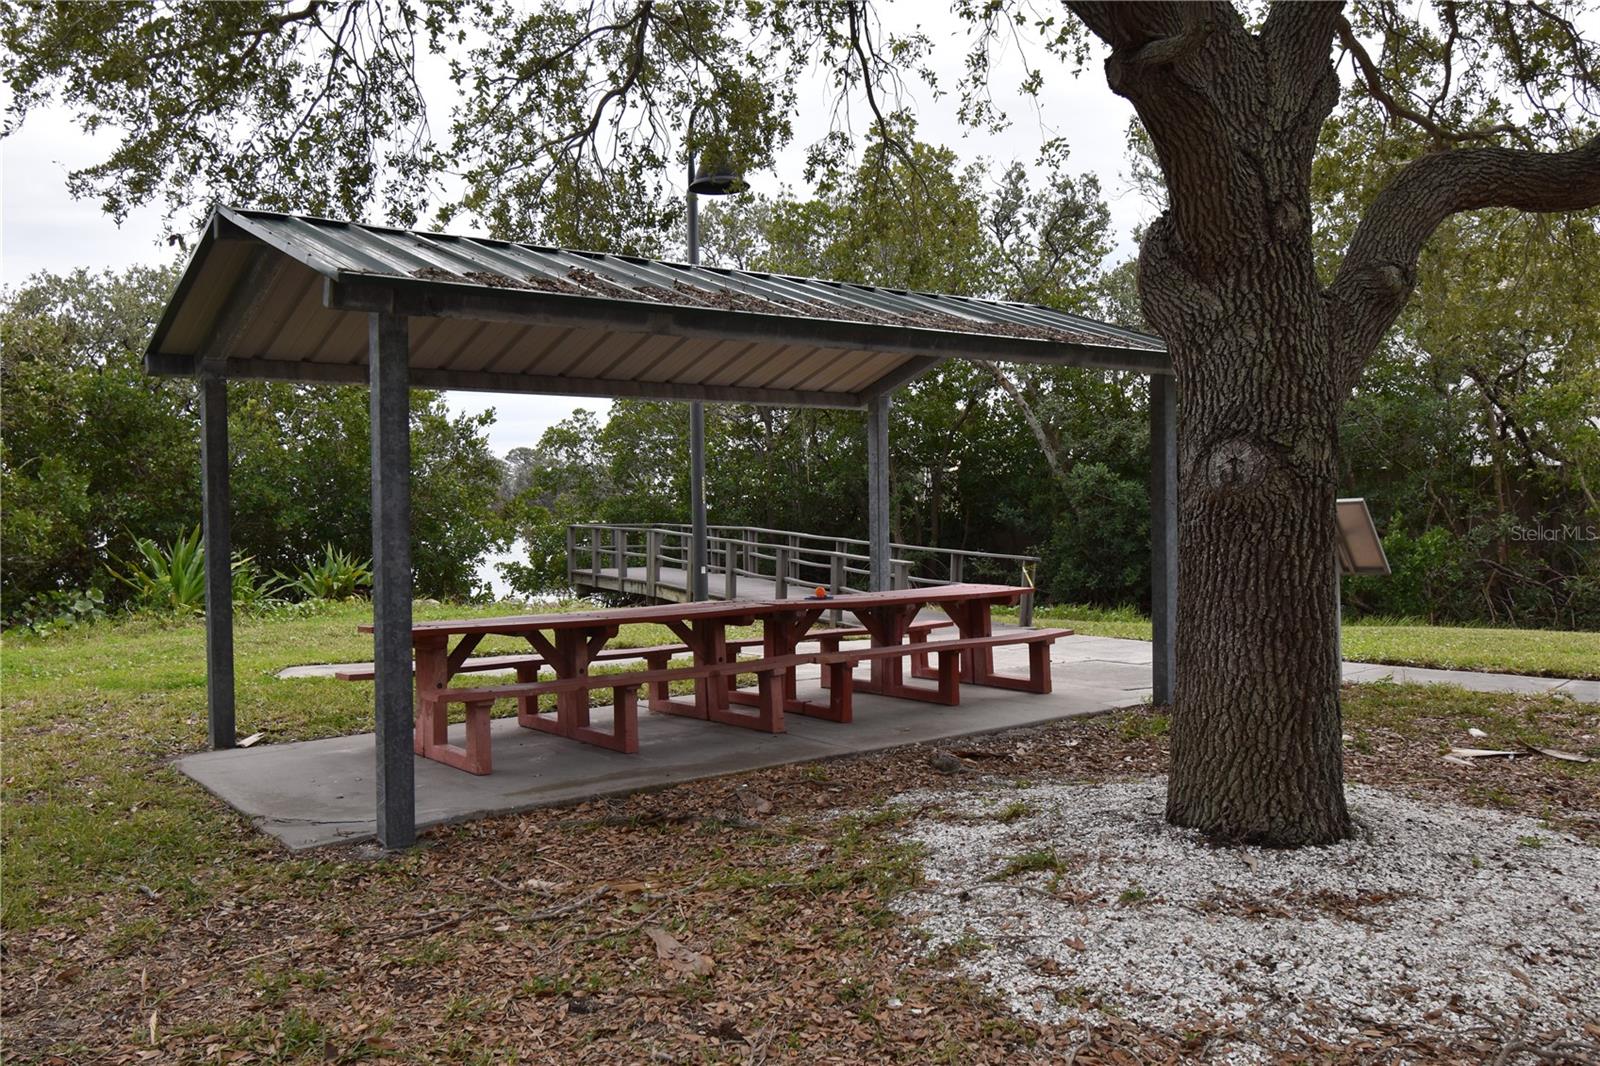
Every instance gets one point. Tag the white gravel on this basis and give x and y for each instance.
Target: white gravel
(1439, 918)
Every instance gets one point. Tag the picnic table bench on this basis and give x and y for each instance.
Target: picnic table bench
(655, 656)
(567, 644)
(624, 734)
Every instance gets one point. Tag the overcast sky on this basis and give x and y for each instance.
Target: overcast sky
(43, 229)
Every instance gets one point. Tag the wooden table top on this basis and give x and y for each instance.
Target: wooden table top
(710, 610)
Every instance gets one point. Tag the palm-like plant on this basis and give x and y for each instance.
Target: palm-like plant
(254, 591)
(171, 579)
(338, 575)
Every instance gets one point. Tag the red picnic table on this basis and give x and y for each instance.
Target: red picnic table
(889, 617)
(568, 643)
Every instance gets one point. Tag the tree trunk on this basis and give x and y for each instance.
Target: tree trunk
(1228, 278)
(1256, 751)
(1265, 358)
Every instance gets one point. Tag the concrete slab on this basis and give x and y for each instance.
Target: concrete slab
(1582, 691)
(318, 792)
(321, 792)
(1474, 680)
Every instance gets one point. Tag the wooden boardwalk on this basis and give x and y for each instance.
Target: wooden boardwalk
(746, 562)
(672, 584)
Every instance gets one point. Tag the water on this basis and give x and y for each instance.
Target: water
(489, 573)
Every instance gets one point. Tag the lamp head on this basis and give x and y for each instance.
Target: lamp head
(716, 178)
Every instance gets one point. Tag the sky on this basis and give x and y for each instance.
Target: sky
(43, 229)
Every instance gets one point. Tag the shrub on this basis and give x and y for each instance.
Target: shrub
(61, 609)
(169, 580)
(1099, 548)
(172, 580)
(338, 575)
(253, 591)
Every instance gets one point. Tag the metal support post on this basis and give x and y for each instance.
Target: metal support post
(698, 578)
(1164, 535)
(389, 356)
(214, 488)
(878, 492)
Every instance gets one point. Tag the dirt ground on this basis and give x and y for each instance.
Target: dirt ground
(746, 919)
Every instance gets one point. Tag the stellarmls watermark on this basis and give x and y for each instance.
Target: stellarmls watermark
(1564, 532)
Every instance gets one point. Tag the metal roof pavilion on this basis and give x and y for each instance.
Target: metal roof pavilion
(286, 297)
(291, 298)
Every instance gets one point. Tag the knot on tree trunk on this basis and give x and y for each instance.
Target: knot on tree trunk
(1287, 219)
(1128, 62)
(1175, 300)
(1392, 279)
(1236, 466)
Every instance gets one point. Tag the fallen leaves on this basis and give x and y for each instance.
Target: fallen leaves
(1564, 756)
(677, 958)
(525, 930)
(752, 803)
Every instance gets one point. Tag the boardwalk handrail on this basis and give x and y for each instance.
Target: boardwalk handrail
(779, 555)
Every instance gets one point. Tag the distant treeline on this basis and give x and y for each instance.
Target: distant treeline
(1474, 435)
(95, 455)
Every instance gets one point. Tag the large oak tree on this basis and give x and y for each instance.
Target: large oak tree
(566, 120)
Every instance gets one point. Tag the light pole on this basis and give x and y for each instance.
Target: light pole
(718, 179)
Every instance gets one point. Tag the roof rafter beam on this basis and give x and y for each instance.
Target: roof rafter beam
(243, 306)
(905, 374)
(487, 381)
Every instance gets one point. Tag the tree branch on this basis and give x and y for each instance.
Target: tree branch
(1052, 456)
(1372, 80)
(1379, 268)
(860, 39)
(1129, 25)
(1299, 37)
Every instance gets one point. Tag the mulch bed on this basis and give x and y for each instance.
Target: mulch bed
(529, 938)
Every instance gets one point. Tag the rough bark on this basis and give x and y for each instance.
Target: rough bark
(1265, 358)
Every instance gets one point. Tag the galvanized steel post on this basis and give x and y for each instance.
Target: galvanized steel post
(388, 340)
(878, 492)
(1164, 535)
(214, 489)
(697, 502)
(698, 579)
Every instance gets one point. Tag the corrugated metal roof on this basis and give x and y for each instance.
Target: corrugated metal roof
(284, 296)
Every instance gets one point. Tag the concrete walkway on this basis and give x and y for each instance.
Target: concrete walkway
(1476, 680)
(317, 792)
(1118, 650)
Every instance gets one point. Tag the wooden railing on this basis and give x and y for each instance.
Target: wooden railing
(633, 558)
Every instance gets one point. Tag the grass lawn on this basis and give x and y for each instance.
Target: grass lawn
(143, 920)
(1539, 652)
(90, 714)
